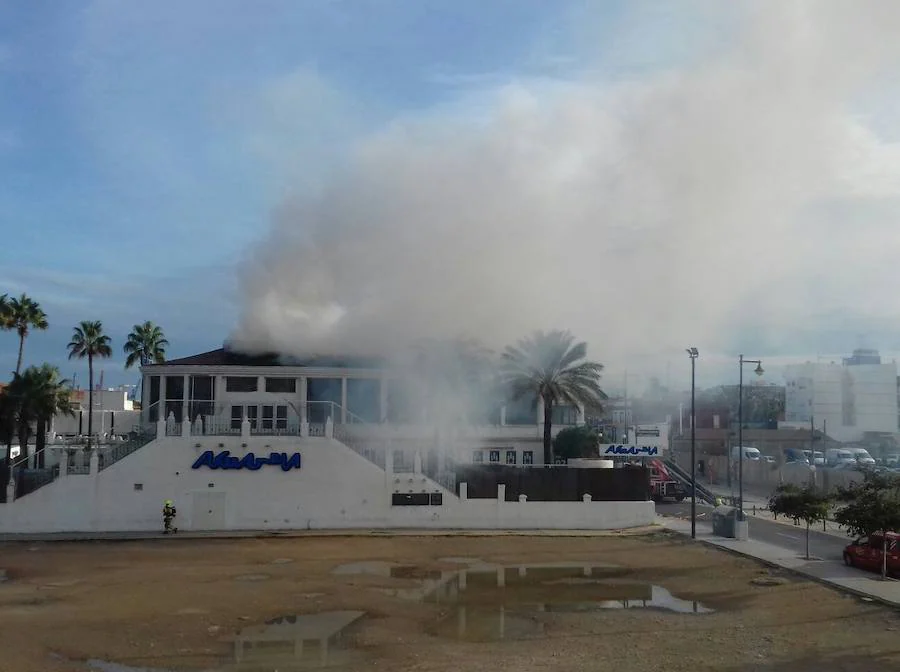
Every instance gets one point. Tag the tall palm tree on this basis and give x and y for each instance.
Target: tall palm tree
(146, 344)
(23, 315)
(37, 394)
(551, 366)
(88, 340)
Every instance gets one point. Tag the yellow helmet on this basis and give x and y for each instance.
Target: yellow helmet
(169, 502)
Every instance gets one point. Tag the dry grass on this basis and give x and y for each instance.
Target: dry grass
(176, 604)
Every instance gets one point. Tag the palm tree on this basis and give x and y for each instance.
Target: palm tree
(146, 344)
(88, 340)
(37, 394)
(551, 366)
(23, 314)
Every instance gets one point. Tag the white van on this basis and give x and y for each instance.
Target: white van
(750, 453)
(862, 457)
(835, 456)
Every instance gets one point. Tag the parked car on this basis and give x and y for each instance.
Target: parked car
(833, 456)
(750, 453)
(867, 553)
(795, 455)
(862, 456)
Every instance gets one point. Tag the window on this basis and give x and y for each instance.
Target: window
(478, 457)
(253, 416)
(281, 385)
(495, 457)
(174, 388)
(154, 399)
(240, 383)
(237, 415)
(268, 417)
(281, 417)
(510, 457)
(528, 457)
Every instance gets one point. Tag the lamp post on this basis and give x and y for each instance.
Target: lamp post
(758, 371)
(693, 353)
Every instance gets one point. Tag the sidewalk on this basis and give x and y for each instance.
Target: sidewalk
(834, 574)
(754, 505)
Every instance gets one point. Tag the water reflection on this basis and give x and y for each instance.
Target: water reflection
(513, 602)
(311, 641)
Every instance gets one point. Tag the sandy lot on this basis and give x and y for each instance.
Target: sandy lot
(178, 604)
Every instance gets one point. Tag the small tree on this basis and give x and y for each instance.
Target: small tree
(574, 442)
(871, 507)
(806, 504)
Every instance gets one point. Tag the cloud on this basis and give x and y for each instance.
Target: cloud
(662, 210)
(194, 310)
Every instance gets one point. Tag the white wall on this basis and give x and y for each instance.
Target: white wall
(335, 488)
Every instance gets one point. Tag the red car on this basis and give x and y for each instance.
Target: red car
(867, 553)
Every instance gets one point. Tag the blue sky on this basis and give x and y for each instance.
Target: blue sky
(145, 146)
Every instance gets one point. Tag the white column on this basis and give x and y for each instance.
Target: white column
(343, 400)
(10, 490)
(580, 419)
(503, 416)
(303, 399)
(383, 399)
(463, 492)
(501, 493)
(417, 463)
(95, 463)
(245, 427)
(329, 428)
(540, 413)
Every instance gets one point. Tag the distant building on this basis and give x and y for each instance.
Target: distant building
(850, 400)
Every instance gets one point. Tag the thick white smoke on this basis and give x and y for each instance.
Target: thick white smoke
(645, 215)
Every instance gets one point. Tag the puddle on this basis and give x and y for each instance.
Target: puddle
(252, 577)
(518, 602)
(311, 641)
(105, 666)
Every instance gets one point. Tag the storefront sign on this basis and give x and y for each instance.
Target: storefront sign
(225, 460)
(621, 449)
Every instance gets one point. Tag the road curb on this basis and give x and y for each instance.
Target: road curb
(796, 572)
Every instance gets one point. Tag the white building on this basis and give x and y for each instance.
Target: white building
(254, 443)
(848, 399)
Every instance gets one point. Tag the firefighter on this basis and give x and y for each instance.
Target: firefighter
(169, 517)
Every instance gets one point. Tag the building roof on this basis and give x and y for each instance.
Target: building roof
(226, 357)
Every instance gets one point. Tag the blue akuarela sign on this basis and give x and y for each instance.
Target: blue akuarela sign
(225, 460)
(617, 449)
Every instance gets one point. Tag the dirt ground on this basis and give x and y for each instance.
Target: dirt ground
(177, 604)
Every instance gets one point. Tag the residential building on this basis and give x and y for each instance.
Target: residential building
(849, 400)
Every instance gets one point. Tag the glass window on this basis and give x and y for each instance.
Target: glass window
(478, 456)
(174, 388)
(510, 457)
(281, 385)
(154, 399)
(237, 415)
(202, 388)
(528, 457)
(281, 417)
(268, 417)
(495, 456)
(253, 416)
(240, 383)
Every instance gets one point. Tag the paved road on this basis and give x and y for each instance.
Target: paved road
(822, 545)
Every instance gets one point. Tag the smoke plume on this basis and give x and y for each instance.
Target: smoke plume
(654, 212)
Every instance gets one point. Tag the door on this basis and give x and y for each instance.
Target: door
(208, 511)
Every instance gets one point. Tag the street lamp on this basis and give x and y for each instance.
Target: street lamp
(693, 353)
(758, 371)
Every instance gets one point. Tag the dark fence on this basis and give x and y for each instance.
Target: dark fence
(555, 484)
